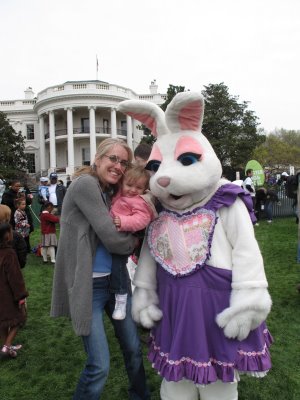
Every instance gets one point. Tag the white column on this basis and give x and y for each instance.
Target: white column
(113, 122)
(71, 164)
(92, 133)
(42, 143)
(129, 131)
(135, 134)
(52, 141)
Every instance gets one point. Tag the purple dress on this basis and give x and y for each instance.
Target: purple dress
(187, 342)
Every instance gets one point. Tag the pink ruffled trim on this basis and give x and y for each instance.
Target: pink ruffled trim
(211, 370)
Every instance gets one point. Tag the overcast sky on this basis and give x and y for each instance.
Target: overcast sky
(251, 46)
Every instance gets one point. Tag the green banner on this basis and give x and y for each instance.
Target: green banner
(258, 172)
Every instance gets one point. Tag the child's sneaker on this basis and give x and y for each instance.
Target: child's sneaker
(120, 307)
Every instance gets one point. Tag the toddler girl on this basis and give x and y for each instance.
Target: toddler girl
(132, 211)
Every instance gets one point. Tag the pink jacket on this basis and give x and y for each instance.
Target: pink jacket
(135, 213)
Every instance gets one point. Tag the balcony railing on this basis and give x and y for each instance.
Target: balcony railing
(98, 88)
(85, 130)
(122, 132)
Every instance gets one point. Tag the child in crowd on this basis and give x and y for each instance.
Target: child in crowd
(48, 230)
(22, 225)
(18, 243)
(13, 294)
(132, 210)
(142, 154)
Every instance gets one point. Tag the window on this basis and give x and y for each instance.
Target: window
(86, 158)
(85, 125)
(30, 157)
(124, 128)
(30, 132)
(105, 126)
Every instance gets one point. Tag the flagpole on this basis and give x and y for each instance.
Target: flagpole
(96, 67)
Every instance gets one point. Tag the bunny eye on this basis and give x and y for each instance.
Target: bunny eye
(189, 158)
(153, 165)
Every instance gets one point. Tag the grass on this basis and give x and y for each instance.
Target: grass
(48, 366)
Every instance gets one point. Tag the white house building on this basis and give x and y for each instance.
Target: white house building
(64, 124)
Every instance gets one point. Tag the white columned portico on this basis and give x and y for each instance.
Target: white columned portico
(52, 140)
(42, 143)
(129, 130)
(92, 133)
(71, 165)
(113, 120)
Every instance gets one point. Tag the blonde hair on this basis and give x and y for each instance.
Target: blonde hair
(136, 172)
(5, 213)
(102, 150)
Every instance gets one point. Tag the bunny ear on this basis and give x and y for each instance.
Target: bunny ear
(185, 112)
(148, 113)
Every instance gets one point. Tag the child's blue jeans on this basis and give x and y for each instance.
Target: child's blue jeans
(95, 373)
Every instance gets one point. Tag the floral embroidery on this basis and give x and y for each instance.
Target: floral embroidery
(189, 360)
(253, 353)
(181, 243)
(211, 361)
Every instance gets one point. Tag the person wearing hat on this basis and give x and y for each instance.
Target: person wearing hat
(43, 190)
(282, 179)
(56, 193)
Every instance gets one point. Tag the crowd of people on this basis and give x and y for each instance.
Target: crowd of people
(265, 197)
(102, 217)
(16, 225)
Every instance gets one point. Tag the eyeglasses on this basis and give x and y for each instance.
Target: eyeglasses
(116, 160)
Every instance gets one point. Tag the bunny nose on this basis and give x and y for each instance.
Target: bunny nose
(164, 181)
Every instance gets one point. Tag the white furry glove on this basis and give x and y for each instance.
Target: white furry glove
(144, 307)
(248, 309)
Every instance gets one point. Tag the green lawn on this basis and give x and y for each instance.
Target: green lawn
(48, 366)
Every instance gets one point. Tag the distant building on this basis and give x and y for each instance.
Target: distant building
(64, 124)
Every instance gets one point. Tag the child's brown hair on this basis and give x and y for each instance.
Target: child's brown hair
(20, 200)
(5, 234)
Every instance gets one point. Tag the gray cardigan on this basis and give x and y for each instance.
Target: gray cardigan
(85, 221)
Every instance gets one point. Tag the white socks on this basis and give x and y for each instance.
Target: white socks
(48, 250)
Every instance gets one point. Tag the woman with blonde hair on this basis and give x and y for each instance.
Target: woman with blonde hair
(88, 238)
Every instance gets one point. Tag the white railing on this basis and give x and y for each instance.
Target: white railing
(82, 88)
(8, 105)
(79, 86)
(96, 88)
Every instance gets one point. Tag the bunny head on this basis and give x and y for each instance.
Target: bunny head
(186, 170)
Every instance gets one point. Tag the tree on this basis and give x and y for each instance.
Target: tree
(229, 126)
(12, 144)
(171, 92)
(281, 149)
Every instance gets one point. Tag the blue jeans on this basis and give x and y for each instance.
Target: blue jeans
(93, 377)
(269, 210)
(119, 275)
